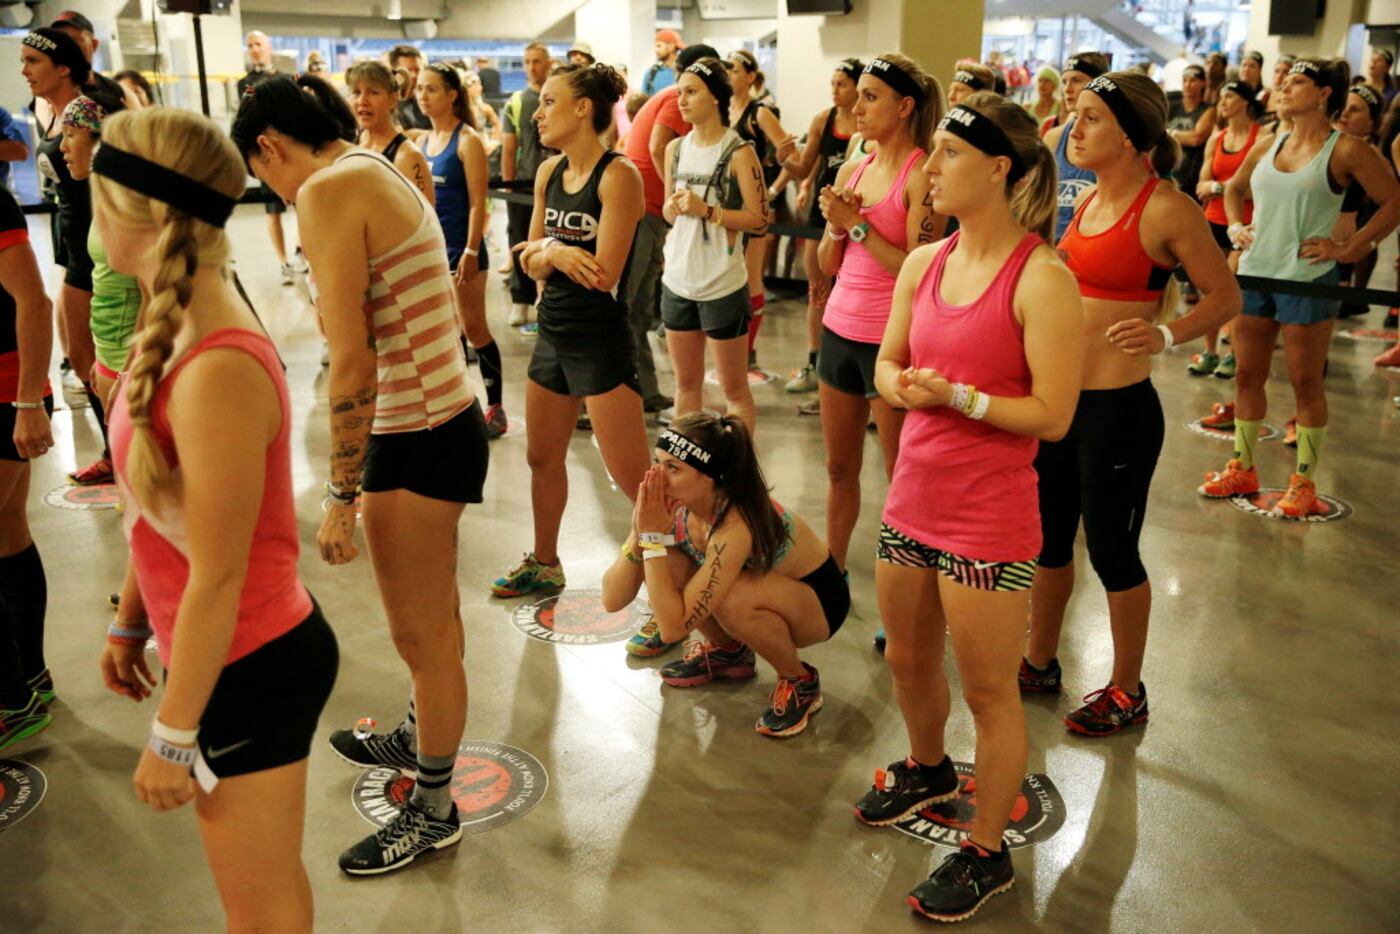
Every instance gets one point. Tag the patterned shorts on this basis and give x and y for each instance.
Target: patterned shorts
(897, 548)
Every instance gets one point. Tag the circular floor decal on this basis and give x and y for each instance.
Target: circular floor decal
(1381, 335)
(493, 785)
(756, 377)
(576, 617)
(97, 496)
(1267, 432)
(1329, 508)
(1039, 812)
(21, 790)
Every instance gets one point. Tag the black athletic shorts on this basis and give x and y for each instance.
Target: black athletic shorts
(8, 452)
(846, 365)
(722, 319)
(482, 261)
(448, 462)
(76, 262)
(833, 591)
(265, 706)
(582, 366)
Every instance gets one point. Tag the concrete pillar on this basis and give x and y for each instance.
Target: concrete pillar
(620, 31)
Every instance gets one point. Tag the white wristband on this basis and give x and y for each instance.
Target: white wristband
(649, 553)
(656, 538)
(980, 409)
(470, 252)
(836, 236)
(180, 755)
(1167, 336)
(170, 734)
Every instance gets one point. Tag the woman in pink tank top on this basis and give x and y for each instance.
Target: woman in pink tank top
(201, 435)
(876, 211)
(983, 350)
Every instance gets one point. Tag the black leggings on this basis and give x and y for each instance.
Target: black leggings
(1102, 470)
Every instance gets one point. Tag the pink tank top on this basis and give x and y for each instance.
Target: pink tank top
(273, 599)
(960, 485)
(859, 305)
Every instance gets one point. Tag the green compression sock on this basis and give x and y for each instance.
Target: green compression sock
(1310, 449)
(1246, 437)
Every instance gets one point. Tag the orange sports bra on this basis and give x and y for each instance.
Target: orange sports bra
(1113, 265)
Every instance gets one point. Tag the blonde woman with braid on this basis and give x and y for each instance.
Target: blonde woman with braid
(201, 439)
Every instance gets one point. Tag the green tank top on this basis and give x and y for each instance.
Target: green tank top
(116, 301)
(1290, 207)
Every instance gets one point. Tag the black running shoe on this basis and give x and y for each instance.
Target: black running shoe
(905, 788)
(791, 705)
(405, 838)
(1033, 680)
(379, 749)
(42, 684)
(1109, 710)
(962, 883)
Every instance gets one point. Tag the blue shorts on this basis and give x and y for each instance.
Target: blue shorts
(1294, 309)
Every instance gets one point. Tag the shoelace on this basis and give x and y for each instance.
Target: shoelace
(411, 822)
(961, 869)
(781, 695)
(1102, 700)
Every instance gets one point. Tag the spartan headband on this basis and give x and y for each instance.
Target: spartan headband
(690, 453)
(1372, 99)
(1128, 120)
(163, 184)
(969, 79)
(1083, 66)
(1307, 70)
(1238, 87)
(717, 83)
(42, 43)
(850, 68)
(983, 133)
(897, 78)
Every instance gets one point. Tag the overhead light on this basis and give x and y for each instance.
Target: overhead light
(395, 10)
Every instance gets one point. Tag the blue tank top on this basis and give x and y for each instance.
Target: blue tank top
(450, 193)
(1072, 182)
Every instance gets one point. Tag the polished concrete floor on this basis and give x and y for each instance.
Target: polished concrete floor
(1261, 797)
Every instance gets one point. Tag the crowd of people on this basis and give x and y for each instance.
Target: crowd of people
(990, 285)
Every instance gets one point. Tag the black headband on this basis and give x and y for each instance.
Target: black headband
(969, 79)
(897, 78)
(1257, 56)
(1083, 66)
(688, 452)
(1128, 120)
(715, 81)
(1372, 99)
(1197, 70)
(850, 68)
(1238, 87)
(156, 181)
(1388, 55)
(982, 132)
(1307, 70)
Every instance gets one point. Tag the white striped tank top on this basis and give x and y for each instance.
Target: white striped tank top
(410, 303)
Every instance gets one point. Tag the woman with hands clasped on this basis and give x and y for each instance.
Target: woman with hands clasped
(1128, 234)
(720, 556)
(983, 352)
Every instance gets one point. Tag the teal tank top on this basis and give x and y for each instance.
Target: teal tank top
(1290, 207)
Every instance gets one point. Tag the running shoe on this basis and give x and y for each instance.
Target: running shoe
(495, 422)
(1226, 369)
(1299, 501)
(657, 402)
(16, 725)
(791, 705)
(1109, 710)
(905, 788)
(42, 685)
(1222, 417)
(963, 883)
(73, 383)
(879, 641)
(98, 472)
(519, 314)
(667, 415)
(646, 643)
(529, 576)
(404, 839)
(1203, 364)
(811, 407)
(1392, 318)
(289, 274)
(804, 380)
(1391, 357)
(389, 750)
(530, 330)
(1290, 432)
(704, 662)
(1033, 680)
(1234, 480)
(299, 264)
(584, 422)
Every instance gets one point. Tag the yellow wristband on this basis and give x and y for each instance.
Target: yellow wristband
(653, 546)
(630, 555)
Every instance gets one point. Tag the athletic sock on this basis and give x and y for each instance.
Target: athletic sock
(1246, 437)
(1310, 449)
(408, 729)
(489, 357)
(432, 791)
(756, 303)
(101, 413)
(24, 598)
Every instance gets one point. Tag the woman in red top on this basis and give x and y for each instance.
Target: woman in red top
(981, 349)
(201, 442)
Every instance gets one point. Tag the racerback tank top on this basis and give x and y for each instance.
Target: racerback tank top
(1290, 207)
(450, 196)
(1223, 166)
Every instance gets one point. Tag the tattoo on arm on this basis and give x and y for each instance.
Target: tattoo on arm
(926, 224)
(707, 596)
(351, 419)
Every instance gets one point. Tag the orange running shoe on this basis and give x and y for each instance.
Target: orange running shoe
(1222, 417)
(1300, 501)
(1234, 480)
(1290, 432)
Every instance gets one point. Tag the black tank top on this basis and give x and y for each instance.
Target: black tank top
(831, 152)
(567, 308)
(74, 199)
(747, 127)
(392, 150)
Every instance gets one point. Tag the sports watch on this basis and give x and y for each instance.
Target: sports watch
(859, 232)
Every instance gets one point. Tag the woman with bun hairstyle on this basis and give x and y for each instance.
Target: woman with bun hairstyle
(373, 95)
(588, 202)
(1072, 180)
(407, 435)
(983, 351)
(1297, 180)
(720, 556)
(1128, 234)
(457, 156)
(876, 211)
(822, 157)
(201, 438)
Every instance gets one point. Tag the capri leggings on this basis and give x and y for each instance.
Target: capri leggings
(1102, 470)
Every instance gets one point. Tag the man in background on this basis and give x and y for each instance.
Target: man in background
(407, 62)
(521, 155)
(490, 77)
(663, 73)
(260, 68)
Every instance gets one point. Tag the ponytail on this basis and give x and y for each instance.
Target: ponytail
(329, 98)
(279, 103)
(1034, 198)
(1165, 155)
